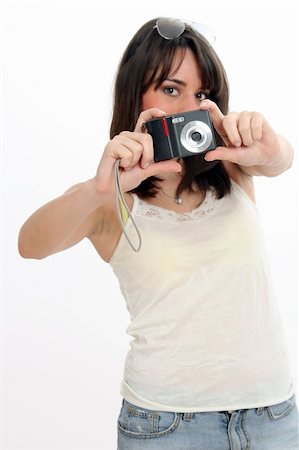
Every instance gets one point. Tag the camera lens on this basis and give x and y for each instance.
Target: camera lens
(196, 136)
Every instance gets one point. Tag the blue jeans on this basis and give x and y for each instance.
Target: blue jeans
(269, 428)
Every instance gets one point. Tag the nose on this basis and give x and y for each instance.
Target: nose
(190, 103)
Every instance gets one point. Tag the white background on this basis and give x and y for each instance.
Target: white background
(64, 321)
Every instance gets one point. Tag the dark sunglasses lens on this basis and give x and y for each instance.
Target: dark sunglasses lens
(170, 28)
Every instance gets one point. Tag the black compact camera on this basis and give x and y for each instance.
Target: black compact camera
(184, 134)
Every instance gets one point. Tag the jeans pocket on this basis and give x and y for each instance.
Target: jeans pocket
(142, 423)
(281, 410)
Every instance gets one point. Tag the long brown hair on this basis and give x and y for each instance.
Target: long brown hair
(148, 59)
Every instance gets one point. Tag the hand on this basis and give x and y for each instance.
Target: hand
(135, 153)
(249, 139)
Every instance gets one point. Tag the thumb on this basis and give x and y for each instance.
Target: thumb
(162, 167)
(231, 154)
(147, 115)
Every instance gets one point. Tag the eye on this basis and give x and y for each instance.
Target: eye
(201, 96)
(169, 90)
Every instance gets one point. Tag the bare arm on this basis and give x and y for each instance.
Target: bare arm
(250, 142)
(278, 164)
(62, 222)
(89, 208)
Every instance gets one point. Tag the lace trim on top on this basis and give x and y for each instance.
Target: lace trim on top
(155, 212)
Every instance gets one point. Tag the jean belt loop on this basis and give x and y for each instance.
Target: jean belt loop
(188, 416)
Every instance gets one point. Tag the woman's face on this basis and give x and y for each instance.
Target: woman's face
(181, 91)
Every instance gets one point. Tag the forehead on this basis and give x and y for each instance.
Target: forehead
(183, 64)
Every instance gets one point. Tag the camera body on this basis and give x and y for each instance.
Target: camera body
(180, 135)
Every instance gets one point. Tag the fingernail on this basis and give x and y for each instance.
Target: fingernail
(145, 165)
(204, 104)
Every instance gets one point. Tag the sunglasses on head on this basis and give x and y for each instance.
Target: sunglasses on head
(169, 28)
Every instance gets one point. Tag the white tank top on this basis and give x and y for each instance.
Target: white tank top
(207, 334)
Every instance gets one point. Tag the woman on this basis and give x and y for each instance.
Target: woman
(208, 366)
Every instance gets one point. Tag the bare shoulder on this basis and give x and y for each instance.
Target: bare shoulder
(244, 180)
(107, 231)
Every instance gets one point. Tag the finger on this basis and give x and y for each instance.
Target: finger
(148, 151)
(220, 154)
(230, 126)
(124, 155)
(244, 127)
(121, 148)
(257, 123)
(125, 148)
(144, 147)
(126, 139)
(216, 117)
(230, 154)
(147, 115)
(158, 168)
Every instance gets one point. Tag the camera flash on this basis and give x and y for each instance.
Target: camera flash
(178, 119)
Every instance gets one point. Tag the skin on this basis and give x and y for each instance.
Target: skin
(88, 209)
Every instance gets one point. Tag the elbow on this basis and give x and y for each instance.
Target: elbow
(26, 250)
(26, 253)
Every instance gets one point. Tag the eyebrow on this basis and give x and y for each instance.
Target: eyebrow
(175, 80)
(182, 83)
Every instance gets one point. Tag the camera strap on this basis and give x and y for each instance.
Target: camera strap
(121, 202)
